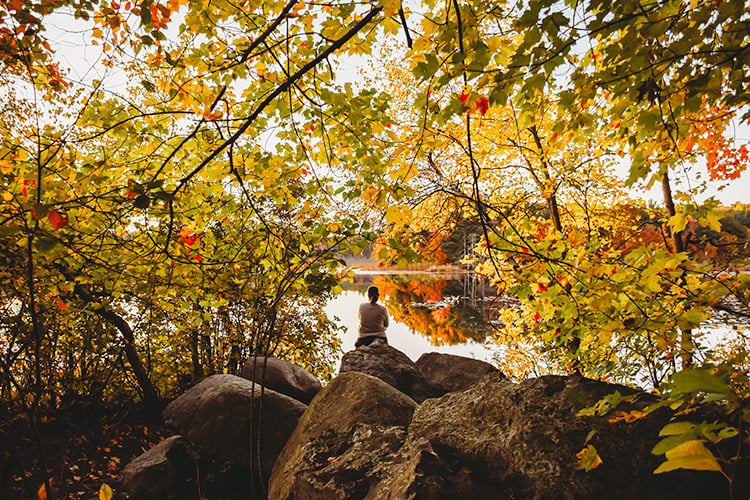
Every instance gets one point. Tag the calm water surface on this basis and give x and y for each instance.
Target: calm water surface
(454, 313)
(429, 312)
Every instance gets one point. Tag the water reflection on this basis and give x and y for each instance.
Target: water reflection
(456, 313)
(447, 309)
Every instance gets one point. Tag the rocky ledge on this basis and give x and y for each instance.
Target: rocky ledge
(444, 427)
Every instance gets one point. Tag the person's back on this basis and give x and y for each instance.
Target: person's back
(373, 320)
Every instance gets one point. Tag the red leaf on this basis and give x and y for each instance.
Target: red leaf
(482, 105)
(188, 237)
(57, 219)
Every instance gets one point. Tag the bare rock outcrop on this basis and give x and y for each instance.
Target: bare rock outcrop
(343, 441)
(216, 415)
(282, 376)
(150, 473)
(450, 373)
(392, 367)
(522, 438)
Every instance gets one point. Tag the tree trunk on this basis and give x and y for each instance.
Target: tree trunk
(150, 397)
(554, 212)
(195, 356)
(208, 353)
(686, 336)
(669, 204)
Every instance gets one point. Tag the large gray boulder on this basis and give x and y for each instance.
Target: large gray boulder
(523, 439)
(151, 474)
(450, 373)
(216, 415)
(416, 472)
(497, 439)
(343, 441)
(392, 367)
(282, 376)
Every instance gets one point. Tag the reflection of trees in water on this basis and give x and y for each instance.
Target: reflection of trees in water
(437, 307)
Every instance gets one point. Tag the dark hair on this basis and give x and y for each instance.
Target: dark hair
(373, 293)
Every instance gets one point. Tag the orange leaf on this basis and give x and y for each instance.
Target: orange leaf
(57, 219)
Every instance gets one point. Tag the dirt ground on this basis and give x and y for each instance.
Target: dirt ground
(82, 450)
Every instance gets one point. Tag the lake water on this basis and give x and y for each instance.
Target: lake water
(454, 313)
(429, 312)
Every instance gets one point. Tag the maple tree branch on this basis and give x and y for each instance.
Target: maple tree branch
(406, 28)
(267, 32)
(276, 92)
(126, 120)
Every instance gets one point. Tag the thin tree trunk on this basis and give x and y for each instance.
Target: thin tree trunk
(38, 384)
(669, 204)
(150, 396)
(195, 357)
(686, 335)
(554, 212)
(208, 353)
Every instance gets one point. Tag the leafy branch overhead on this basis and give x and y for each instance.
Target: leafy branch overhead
(179, 181)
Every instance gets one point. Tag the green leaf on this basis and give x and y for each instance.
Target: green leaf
(44, 245)
(699, 380)
(672, 442)
(691, 455)
(588, 459)
(711, 220)
(145, 15)
(578, 398)
(676, 428)
(390, 7)
(678, 222)
(9, 230)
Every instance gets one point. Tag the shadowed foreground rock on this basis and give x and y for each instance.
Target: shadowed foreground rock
(213, 453)
(343, 441)
(282, 376)
(362, 438)
(216, 415)
(450, 373)
(523, 438)
(392, 367)
(148, 474)
(495, 440)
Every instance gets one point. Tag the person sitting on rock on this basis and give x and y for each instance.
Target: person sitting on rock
(373, 320)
